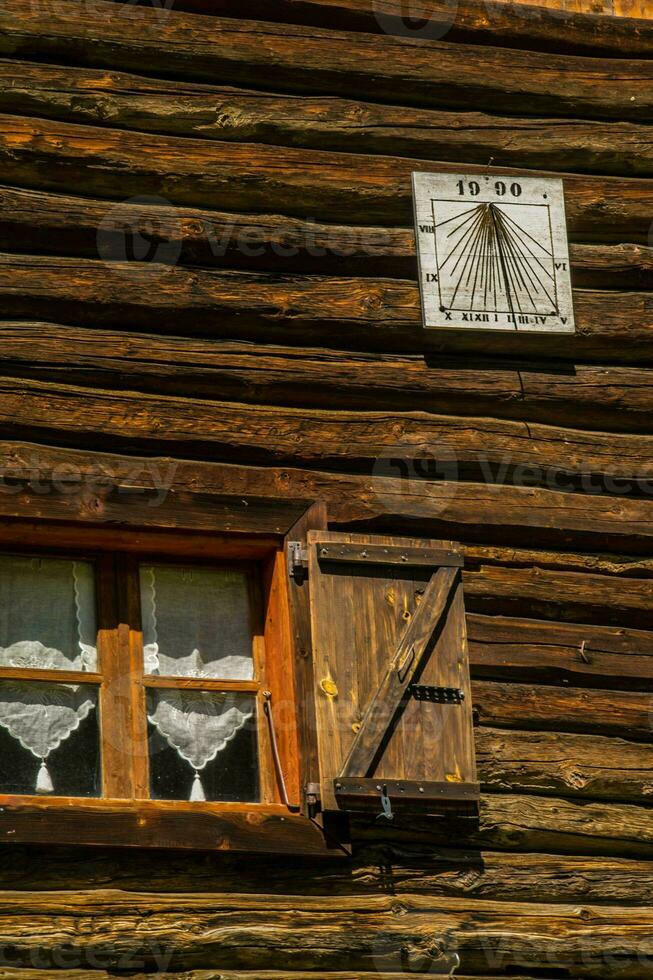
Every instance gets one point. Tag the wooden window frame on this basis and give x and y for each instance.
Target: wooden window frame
(124, 814)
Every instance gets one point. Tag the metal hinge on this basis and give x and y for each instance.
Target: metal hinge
(297, 561)
(437, 695)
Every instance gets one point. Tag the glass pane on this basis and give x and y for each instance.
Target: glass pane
(196, 622)
(203, 746)
(47, 613)
(49, 739)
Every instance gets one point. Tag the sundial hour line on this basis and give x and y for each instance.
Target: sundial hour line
(490, 253)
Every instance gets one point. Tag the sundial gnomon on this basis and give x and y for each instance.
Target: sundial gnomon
(493, 252)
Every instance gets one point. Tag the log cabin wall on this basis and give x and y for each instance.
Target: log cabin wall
(208, 286)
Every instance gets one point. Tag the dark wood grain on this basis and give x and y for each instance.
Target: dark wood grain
(391, 868)
(160, 491)
(573, 596)
(624, 714)
(519, 934)
(351, 187)
(507, 648)
(505, 24)
(123, 101)
(562, 764)
(75, 225)
(330, 62)
(379, 314)
(503, 452)
(604, 397)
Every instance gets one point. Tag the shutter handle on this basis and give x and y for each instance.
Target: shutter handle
(386, 806)
(267, 706)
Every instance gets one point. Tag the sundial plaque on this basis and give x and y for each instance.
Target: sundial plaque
(493, 252)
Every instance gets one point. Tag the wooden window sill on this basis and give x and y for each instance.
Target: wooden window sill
(262, 828)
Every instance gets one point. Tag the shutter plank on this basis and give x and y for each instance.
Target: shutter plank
(402, 670)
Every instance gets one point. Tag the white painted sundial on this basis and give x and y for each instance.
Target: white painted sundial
(493, 252)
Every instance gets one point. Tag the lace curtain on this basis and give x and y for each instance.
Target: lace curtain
(196, 623)
(47, 621)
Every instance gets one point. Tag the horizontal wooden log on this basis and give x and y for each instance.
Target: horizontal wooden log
(499, 22)
(379, 314)
(554, 764)
(502, 452)
(601, 564)
(531, 823)
(539, 823)
(388, 446)
(388, 869)
(376, 933)
(391, 868)
(624, 714)
(560, 653)
(12, 973)
(338, 187)
(378, 67)
(60, 224)
(606, 398)
(124, 101)
(66, 485)
(573, 596)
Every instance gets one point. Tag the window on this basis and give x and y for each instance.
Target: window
(175, 689)
(149, 678)
(200, 662)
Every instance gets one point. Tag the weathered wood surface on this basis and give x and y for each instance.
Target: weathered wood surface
(237, 931)
(596, 397)
(379, 314)
(572, 596)
(61, 224)
(339, 187)
(502, 452)
(12, 973)
(562, 764)
(625, 714)
(392, 869)
(575, 28)
(602, 564)
(134, 491)
(123, 101)
(534, 823)
(381, 68)
(556, 653)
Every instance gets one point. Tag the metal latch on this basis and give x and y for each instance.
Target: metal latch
(312, 797)
(436, 695)
(297, 561)
(386, 806)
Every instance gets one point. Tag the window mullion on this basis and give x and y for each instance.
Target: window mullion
(122, 704)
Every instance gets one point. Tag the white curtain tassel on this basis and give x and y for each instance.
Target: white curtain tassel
(44, 780)
(197, 792)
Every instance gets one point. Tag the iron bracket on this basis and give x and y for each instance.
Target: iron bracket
(436, 695)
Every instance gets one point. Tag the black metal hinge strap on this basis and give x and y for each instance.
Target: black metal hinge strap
(436, 695)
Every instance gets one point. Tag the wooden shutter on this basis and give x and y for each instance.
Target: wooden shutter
(391, 673)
